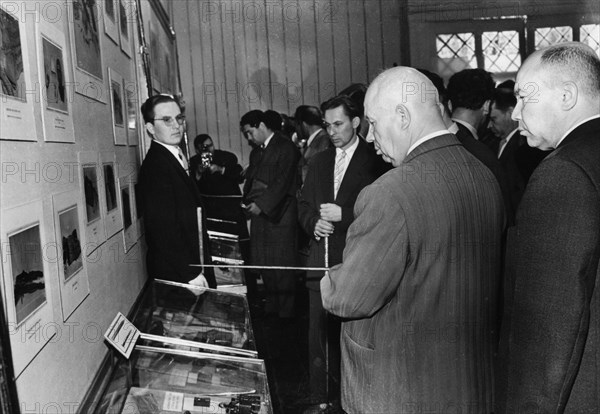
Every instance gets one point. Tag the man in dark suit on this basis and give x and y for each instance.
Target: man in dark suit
(270, 200)
(169, 199)
(325, 213)
(551, 329)
(418, 281)
(309, 127)
(516, 157)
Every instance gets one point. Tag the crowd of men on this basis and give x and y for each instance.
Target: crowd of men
(462, 232)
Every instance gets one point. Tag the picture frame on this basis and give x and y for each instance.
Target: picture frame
(132, 111)
(117, 104)
(27, 255)
(113, 221)
(129, 230)
(86, 48)
(68, 212)
(55, 77)
(111, 20)
(16, 107)
(90, 177)
(126, 7)
(139, 217)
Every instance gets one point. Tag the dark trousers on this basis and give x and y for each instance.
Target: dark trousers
(280, 287)
(323, 350)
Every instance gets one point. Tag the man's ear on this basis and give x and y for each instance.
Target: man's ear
(150, 128)
(403, 115)
(487, 107)
(569, 95)
(355, 122)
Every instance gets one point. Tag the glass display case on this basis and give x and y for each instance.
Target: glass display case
(156, 380)
(181, 316)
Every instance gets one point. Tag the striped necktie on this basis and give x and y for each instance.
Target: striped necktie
(184, 162)
(338, 174)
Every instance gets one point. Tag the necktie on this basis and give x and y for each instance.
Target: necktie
(501, 146)
(338, 173)
(184, 162)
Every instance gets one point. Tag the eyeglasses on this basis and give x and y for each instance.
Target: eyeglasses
(170, 121)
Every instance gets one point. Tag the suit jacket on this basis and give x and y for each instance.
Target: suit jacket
(169, 199)
(363, 169)
(319, 143)
(217, 183)
(551, 329)
(519, 160)
(490, 160)
(273, 169)
(418, 281)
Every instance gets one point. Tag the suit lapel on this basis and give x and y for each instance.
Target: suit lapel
(169, 159)
(353, 172)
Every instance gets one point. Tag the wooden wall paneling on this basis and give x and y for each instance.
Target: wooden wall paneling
(261, 73)
(325, 57)
(201, 110)
(185, 55)
(341, 44)
(229, 89)
(374, 37)
(391, 25)
(292, 12)
(357, 46)
(308, 53)
(276, 43)
(209, 88)
(241, 80)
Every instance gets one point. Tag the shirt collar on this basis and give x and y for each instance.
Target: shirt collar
(427, 138)
(312, 136)
(350, 150)
(264, 145)
(453, 128)
(575, 126)
(468, 126)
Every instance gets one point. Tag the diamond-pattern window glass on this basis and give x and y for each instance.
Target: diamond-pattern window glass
(590, 35)
(501, 51)
(455, 51)
(546, 36)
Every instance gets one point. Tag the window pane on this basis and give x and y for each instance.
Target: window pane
(546, 36)
(590, 35)
(501, 51)
(455, 51)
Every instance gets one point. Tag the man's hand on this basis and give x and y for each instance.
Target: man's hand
(331, 212)
(200, 281)
(323, 228)
(253, 209)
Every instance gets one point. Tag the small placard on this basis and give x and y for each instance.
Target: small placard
(122, 335)
(173, 401)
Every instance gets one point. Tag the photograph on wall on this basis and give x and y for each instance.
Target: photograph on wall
(113, 221)
(110, 20)
(56, 83)
(72, 272)
(138, 210)
(118, 107)
(15, 75)
(92, 198)
(25, 281)
(129, 231)
(90, 190)
(85, 35)
(125, 14)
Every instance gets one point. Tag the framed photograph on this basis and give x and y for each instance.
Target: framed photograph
(72, 269)
(26, 256)
(111, 19)
(125, 11)
(113, 221)
(85, 35)
(129, 231)
(117, 103)
(55, 80)
(133, 111)
(92, 198)
(138, 208)
(16, 107)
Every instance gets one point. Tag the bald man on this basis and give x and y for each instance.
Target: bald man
(551, 329)
(418, 282)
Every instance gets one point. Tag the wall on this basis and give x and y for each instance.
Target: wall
(263, 54)
(58, 377)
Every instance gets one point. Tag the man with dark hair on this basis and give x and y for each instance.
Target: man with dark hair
(309, 127)
(170, 199)
(270, 200)
(516, 157)
(550, 339)
(334, 179)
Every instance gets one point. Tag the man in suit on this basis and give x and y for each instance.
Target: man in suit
(420, 269)
(551, 330)
(516, 157)
(169, 199)
(470, 92)
(309, 127)
(335, 178)
(270, 200)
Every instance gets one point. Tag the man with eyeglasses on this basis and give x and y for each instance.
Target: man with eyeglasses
(170, 198)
